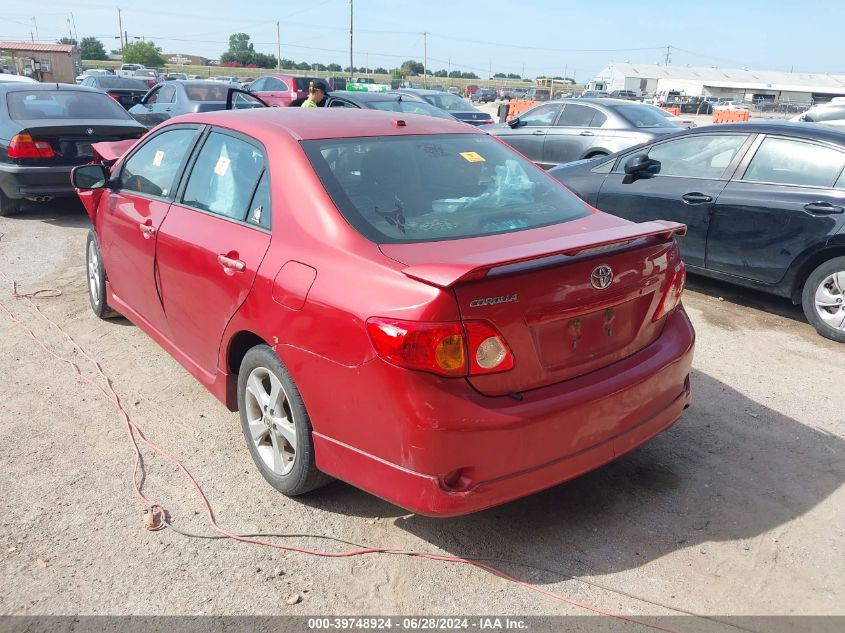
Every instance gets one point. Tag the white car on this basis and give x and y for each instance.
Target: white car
(729, 105)
(6, 77)
(91, 72)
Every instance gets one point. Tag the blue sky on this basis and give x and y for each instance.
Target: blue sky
(544, 37)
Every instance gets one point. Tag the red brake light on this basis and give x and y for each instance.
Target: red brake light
(489, 353)
(672, 296)
(113, 96)
(23, 146)
(448, 349)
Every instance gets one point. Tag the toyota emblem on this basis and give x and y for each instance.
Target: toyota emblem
(90, 131)
(601, 277)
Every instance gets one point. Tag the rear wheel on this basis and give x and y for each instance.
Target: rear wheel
(8, 206)
(276, 425)
(823, 299)
(96, 274)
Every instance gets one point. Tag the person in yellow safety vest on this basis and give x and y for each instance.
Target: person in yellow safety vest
(316, 97)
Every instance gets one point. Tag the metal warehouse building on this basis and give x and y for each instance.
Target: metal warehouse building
(727, 83)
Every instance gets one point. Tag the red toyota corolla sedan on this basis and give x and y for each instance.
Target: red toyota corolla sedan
(405, 304)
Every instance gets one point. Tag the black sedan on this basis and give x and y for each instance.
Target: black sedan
(45, 131)
(172, 98)
(389, 101)
(125, 90)
(452, 104)
(763, 202)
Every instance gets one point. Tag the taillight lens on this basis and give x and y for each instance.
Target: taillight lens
(672, 296)
(23, 146)
(113, 96)
(488, 351)
(447, 348)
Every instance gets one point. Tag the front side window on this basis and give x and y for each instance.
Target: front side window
(152, 169)
(788, 162)
(698, 156)
(540, 117)
(167, 93)
(397, 189)
(340, 103)
(224, 176)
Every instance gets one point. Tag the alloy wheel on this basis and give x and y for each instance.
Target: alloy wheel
(271, 425)
(93, 273)
(830, 300)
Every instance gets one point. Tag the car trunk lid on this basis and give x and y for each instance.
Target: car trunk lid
(72, 142)
(546, 298)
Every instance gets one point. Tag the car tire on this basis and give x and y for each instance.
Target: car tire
(96, 275)
(276, 425)
(8, 206)
(823, 299)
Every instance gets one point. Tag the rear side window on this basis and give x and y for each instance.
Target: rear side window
(63, 104)
(542, 116)
(576, 115)
(207, 93)
(278, 85)
(437, 187)
(788, 162)
(303, 82)
(642, 116)
(224, 177)
(152, 169)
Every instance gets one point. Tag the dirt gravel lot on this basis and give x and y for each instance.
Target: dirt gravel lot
(738, 509)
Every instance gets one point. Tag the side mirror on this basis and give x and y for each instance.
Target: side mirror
(640, 166)
(514, 123)
(89, 176)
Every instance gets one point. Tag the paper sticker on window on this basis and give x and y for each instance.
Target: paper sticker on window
(158, 158)
(222, 166)
(473, 157)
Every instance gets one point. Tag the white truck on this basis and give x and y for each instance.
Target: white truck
(128, 70)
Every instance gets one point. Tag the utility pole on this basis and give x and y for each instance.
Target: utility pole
(75, 33)
(120, 24)
(278, 47)
(69, 30)
(425, 58)
(35, 24)
(490, 70)
(668, 55)
(522, 76)
(351, 65)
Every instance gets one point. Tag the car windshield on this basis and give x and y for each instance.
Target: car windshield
(121, 82)
(63, 104)
(206, 93)
(642, 116)
(448, 102)
(411, 107)
(438, 187)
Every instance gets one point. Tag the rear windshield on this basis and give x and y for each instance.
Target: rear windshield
(642, 116)
(448, 102)
(121, 82)
(302, 83)
(63, 104)
(207, 93)
(440, 187)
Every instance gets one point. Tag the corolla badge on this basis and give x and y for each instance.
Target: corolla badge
(490, 301)
(601, 277)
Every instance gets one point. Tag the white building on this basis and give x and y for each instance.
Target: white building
(728, 83)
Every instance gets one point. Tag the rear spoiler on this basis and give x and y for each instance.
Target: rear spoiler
(445, 275)
(109, 152)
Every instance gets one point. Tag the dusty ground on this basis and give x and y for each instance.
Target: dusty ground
(738, 509)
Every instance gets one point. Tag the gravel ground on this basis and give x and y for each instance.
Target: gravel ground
(737, 510)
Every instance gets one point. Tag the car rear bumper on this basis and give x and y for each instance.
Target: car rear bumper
(18, 181)
(401, 442)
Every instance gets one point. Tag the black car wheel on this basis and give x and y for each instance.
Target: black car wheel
(276, 425)
(823, 299)
(8, 206)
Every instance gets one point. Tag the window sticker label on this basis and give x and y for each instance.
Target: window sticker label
(158, 158)
(222, 166)
(473, 157)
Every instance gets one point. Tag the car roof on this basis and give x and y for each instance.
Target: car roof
(15, 86)
(310, 124)
(387, 95)
(423, 91)
(813, 131)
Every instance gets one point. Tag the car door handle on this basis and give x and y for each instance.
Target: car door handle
(538, 132)
(231, 265)
(696, 198)
(823, 207)
(147, 229)
(586, 133)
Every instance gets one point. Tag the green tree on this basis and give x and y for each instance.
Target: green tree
(146, 53)
(411, 67)
(469, 76)
(500, 76)
(455, 74)
(67, 40)
(378, 71)
(335, 68)
(92, 48)
(239, 42)
(441, 73)
(513, 76)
